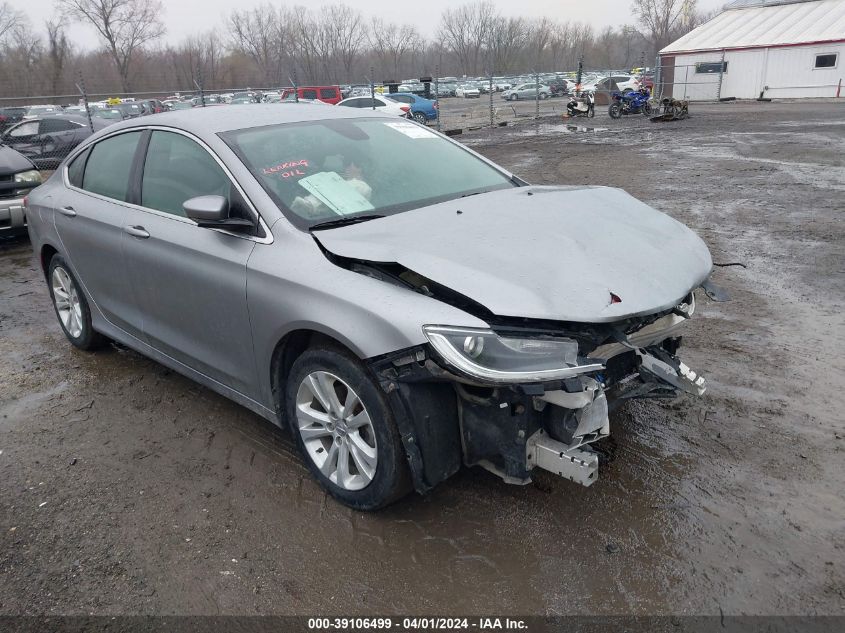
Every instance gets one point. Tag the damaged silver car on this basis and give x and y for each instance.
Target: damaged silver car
(403, 305)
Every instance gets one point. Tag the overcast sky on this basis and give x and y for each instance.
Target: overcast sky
(184, 17)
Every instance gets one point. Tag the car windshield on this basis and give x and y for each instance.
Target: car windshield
(326, 170)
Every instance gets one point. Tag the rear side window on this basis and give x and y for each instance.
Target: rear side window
(178, 169)
(76, 169)
(30, 128)
(309, 94)
(108, 167)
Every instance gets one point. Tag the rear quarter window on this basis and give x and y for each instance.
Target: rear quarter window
(76, 169)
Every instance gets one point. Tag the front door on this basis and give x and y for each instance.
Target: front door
(189, 282)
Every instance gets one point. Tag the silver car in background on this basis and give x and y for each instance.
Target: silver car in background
(401, 304)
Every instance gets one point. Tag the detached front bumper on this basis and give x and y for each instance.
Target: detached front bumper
(12, 215)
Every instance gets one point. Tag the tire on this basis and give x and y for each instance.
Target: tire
(543, 95)
(514, 97)
(591, 112)
(71, 306)
(615, 111)
(647, 109)
(420, 118)
(326, 435)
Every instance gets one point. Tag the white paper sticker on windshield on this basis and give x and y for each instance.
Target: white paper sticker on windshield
(411, 129)
(339, 195)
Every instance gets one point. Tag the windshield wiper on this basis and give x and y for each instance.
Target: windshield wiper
(330, 224)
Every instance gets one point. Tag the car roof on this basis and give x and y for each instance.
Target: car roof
(209, 121)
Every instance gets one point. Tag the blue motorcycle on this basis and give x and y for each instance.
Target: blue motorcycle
(630, 103)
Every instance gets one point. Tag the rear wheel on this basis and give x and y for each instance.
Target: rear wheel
(420, 118)
(345, 429)
(543, 95)
(71, 306)
(514, 97)
(615, 111)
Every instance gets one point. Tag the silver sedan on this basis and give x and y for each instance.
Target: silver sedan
(401, 304)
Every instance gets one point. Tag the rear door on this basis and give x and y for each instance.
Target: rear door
(90, 215)
(190, 282)
(58, 137)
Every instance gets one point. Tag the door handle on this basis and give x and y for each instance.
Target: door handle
(68, 211)
(136, 231)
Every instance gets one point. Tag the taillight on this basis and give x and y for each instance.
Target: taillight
(405, 108)
(436, 105)
(25, 201)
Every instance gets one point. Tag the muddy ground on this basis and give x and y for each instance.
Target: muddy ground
(125, 488)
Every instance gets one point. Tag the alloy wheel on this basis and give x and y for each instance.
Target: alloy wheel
(66, 299)
(336, 430)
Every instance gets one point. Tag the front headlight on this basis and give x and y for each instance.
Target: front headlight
(485, 355)
(31, 177)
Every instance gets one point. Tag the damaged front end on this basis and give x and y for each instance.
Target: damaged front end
(525, 395)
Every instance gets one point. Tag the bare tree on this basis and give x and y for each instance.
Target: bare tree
(466, 30)
(660, 18)
(506, 43)
(58, 49)
(390, 43)
(10, 20)
(263, 35)
(125, 26)
(346, 30)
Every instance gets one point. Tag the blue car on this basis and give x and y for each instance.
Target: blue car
(422, 110)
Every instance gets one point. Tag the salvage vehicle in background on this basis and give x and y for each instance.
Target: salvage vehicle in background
(422, 110)
(328, 94)
(381, 103)
(403, 305)
(467, 91)
(527, 91)
(46, 140)
(18, 177)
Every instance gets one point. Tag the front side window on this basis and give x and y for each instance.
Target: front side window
(328, 93)
(109, 165)
(827, 60)
(309, 94)
(323, 170)
(177, 169)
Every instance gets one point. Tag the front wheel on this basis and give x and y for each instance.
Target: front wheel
(591, 112)
(345, 429)
(647, 109)
(71, 306)
(513, 97)
(543, 95)
(615, 111)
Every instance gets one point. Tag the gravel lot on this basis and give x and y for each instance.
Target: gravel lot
(125, 488)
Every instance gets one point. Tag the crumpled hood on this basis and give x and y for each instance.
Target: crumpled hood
(540, 252)
(12, 161)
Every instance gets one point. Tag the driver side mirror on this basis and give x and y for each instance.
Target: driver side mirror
(213, 212)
